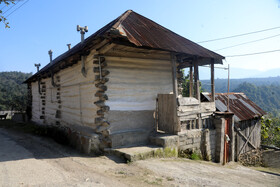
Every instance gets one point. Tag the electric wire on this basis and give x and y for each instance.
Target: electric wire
(247, 42)
(10, 8)
(5, 6)
(17, 8)
(238, 35)
(250, 54)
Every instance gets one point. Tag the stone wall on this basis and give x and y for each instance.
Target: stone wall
(271, 158)
(203, 141)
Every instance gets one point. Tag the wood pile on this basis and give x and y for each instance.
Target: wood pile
(252, 158)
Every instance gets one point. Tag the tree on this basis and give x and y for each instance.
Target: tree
(270, 131)
(186, 85)
(2, 17)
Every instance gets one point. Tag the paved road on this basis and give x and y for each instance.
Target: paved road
(27, 160)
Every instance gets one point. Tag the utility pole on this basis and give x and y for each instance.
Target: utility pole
(228, 90)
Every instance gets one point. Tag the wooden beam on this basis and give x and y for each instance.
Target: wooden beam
(106, 48)
(212, 81)
(191, 82)
(174, 76)
(196, 81)
(176, 126)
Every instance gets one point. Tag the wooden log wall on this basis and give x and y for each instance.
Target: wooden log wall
(134, 83)
(132, 91)
(71, 102)
(37, 104)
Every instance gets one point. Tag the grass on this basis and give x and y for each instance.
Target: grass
(190, 154)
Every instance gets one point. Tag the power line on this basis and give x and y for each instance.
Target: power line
(17, 8)
(5, 6)
(247, 42)
(244, 34)
(262, 52)
(10, 8)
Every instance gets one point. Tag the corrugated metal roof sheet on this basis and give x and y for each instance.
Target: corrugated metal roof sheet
(141, 32)
(239, 104)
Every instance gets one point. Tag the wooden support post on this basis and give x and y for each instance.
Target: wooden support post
(191, 82)
(196, 81)
(212, 81)
(197, 92)
(174, 75)
(176, 126)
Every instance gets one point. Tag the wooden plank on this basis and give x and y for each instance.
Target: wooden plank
(207, 107)
(185, 101)
(247, 140)
(188, 108)
(190, 117)
(165, 110)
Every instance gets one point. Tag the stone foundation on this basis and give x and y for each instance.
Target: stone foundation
(199, 140)
(83, 139)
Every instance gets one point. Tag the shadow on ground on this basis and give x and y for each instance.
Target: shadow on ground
(20, 141)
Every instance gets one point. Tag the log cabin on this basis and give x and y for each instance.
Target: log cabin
(122, 85)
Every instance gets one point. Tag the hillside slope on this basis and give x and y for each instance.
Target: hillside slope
(12, 91)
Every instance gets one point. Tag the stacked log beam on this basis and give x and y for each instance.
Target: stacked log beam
(43, 100)
(101, 80)
(58, 97)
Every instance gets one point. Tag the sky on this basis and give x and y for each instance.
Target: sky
(38, 26)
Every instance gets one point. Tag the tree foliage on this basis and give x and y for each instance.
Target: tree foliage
(13, 94)
(270, 131)
(2, 17)
(186, 85)
(265, 96)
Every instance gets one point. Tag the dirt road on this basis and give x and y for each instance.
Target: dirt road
(27, 160)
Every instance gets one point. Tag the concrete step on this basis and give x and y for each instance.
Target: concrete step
(164, 140)
(129, 138)
(132, 154)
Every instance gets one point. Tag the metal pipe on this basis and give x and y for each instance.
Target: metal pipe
(83, 30)
(69, 46)
(37, 66)
(50, 53)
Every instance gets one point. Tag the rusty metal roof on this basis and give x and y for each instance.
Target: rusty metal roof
(142, 31)
(239, 104)
(139, 31)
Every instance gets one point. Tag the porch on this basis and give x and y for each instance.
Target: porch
(176, 114)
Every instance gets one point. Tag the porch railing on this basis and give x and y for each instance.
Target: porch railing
(189, 114)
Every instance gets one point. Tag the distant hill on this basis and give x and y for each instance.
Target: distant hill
(266, 96)
(265, 92)
(221, 84)
(12, 91)
(237, 73)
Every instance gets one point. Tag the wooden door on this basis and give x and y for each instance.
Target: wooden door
(165, 110)
(226, 142)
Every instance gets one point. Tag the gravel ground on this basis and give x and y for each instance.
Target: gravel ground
(27, 160)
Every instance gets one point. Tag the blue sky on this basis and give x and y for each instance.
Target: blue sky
(39, 26)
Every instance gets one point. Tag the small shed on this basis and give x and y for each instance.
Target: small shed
(121, 84)
(247, 117)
